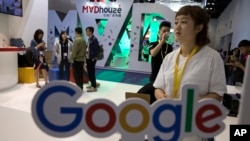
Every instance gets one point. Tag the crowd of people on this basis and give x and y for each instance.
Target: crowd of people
(77, 54)
(194, 62)
(235, 61)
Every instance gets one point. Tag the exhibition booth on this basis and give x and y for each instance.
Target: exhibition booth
(124, 28)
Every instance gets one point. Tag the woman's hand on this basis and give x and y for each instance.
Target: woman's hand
(211, 96)
(41, 45)
(41, 59)
(159, 94)
(238, 64)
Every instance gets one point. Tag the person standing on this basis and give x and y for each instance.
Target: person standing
(193, 63)
(78, 57)
(37, 47)
(238, 73)
(92, 53)
(158, 50)
(63, 50)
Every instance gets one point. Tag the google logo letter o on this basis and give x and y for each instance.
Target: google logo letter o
(56, 112)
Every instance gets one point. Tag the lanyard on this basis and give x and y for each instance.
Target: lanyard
(178, 75)
(163, 55)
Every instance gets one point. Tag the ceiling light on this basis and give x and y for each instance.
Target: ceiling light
(211, 8)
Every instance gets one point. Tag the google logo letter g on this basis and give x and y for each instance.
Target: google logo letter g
(56, 112)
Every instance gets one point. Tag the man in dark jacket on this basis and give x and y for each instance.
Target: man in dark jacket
(91, 58)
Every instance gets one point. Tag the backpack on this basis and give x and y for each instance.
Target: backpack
(29, 58)
(100, 54)
(17, 42)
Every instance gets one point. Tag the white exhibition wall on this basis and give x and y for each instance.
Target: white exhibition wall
(212, 26)
(35, 15)
(234, 19)
(3, 30)
(4, 24)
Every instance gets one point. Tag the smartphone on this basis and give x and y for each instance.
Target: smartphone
(166, 34)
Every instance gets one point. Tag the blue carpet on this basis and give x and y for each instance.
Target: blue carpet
(122, 76)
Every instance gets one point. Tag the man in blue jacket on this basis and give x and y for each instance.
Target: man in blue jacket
(91, 58)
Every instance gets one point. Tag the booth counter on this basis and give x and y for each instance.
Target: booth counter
(9, 67)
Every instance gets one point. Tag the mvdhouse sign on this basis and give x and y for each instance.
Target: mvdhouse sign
(117, 15)
(101, 9)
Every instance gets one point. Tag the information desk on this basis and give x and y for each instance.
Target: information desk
(9, 67)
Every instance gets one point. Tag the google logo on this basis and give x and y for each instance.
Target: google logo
(56, 112)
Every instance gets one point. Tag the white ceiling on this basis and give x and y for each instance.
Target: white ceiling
(175, 5)
(66, 5)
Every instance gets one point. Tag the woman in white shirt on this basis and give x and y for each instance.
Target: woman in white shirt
(63, 50)
(193, 63)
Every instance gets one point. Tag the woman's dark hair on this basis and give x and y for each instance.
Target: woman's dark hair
(200, 17)
(37, 33)
(61, 39)
(238, 53)
(91, 29)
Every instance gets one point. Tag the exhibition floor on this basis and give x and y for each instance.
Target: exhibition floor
(17, 123)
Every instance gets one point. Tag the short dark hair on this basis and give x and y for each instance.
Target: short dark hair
(244, 43)
(165, 24)
(78, 30)
(37, 33)
(200, 17)
(91, 29)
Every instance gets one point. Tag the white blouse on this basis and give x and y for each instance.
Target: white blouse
(205, 69)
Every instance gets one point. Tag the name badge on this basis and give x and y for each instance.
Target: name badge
(65, 54)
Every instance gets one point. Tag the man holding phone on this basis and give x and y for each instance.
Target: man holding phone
(158, 51)
(238, 73)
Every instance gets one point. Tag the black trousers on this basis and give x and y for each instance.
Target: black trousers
(61, 68)
(91, 71)
(78, 73)
(149, 90)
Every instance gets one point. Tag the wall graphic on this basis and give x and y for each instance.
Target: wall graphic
(119, 27)
(136, 38)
